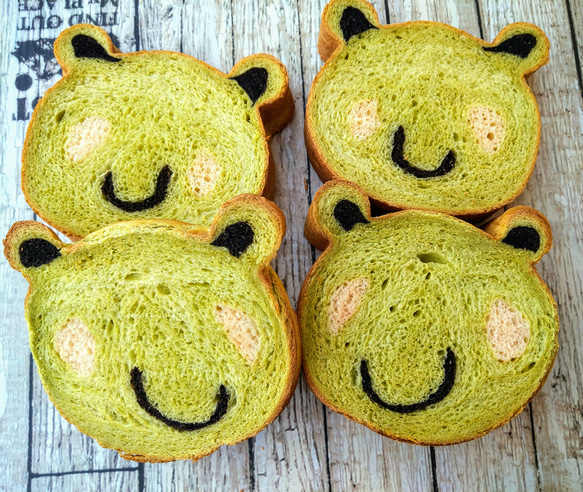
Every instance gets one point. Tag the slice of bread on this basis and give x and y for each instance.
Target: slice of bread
(423, 115)
(159, 339)
(421, 326)
(151, 134)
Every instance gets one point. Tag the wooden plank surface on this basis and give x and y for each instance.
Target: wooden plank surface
(308, 447)
(14, 358)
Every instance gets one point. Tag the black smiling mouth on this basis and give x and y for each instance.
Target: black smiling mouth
(154, 199)
(144, 402)
(447, 164)
(449, 369)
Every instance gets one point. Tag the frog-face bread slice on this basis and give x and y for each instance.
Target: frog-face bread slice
(422, 115)
(421, 326)
(149, 135)
(159, 339)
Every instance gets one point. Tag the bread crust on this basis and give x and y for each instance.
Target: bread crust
(330, 45)
(274, 112)
(273, 288)
(318, 237)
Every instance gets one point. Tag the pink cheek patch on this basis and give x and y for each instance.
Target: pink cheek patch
(76, 346)
(241, 330)
(508, 331)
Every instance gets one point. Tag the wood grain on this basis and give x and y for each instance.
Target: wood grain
(120, 481)
(14, 364)
(291, 453)
(308, 447)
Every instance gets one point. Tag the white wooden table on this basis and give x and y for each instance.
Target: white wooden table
(308, 447)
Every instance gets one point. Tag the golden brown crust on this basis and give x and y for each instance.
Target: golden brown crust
(269, 188)
(271, 282)
(498, 227)
(495, 231)
(328, 41)
(274, 112)
(329, 45)
(19, 232)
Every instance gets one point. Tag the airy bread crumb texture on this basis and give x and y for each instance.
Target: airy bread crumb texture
(363, 119)
(76, 346)
(131, 119)
(145, 294)
(344, 303)
(242, 331)
(448, 95)
(433, 283)
(508, 331)
(85, 137)
(204, 173)
(488, 127)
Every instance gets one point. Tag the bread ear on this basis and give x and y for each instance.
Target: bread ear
(84, 43)
(30, 245)
(341, 21)
(265, 81)
(338, 207)
(523, 228)
(523, 44)
(250, 227)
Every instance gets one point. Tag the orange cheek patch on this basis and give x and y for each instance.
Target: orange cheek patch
(488, 128)
(345, 302)
(204, 173)
(241, 330)
(364, 120)
(85, 137)
(508, 331)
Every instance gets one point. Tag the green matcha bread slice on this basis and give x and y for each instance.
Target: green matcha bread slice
(423, 115)
(159, 339)
(153, 134)
(421, 326)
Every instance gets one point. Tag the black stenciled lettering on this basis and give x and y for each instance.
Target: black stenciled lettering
(73, 4)
(23, 82)
(39, 22)
(21, 113)
(37, 55)
(104, 3)
(30, 5)
(75, 19)
(109, 19)
(54, 22)
(89, 19)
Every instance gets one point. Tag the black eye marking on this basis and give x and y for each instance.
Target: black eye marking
(87, 47)
(523, 237)
(236, 238)
(449, 369)
(138, 387)
(520, 45)
(253, 82)
(37, 252)
(348, 214)
(447, 164)
(354, 22)
(156, 198)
